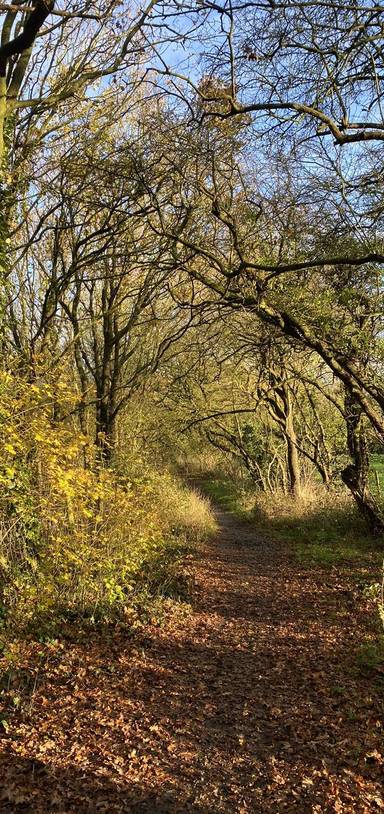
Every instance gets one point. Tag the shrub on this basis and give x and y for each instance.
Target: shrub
(79, 539)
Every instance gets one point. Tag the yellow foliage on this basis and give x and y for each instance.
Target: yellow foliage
(74, 537)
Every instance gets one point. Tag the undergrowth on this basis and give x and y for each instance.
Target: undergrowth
(323, 527)
(370, 657)
(80, 540)
(135, 559)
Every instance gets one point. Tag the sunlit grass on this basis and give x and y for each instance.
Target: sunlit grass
(231, 496)
(377, 475)
(324, 527)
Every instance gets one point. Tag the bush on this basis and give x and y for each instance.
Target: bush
(76, 539)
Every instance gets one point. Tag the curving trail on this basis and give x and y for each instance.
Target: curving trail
(249, 701)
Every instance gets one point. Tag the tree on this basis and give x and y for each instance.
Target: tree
(46, 75)
(89, 281)
(245, 258)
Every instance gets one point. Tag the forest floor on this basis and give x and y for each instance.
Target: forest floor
(248, 699)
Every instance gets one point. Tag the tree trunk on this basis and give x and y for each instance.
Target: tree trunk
(105, 430)
(356, 475)
(291, 441)
(293, 468)
(106, 388)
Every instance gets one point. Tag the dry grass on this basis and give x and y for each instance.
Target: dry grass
(194, 513)
(285, 507)
(185, 509)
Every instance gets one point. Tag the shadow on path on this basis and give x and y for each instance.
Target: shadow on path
(247, 702)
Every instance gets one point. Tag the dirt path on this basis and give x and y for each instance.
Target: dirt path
(247, 702)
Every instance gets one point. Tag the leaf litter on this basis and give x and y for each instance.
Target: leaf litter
(247, 701)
